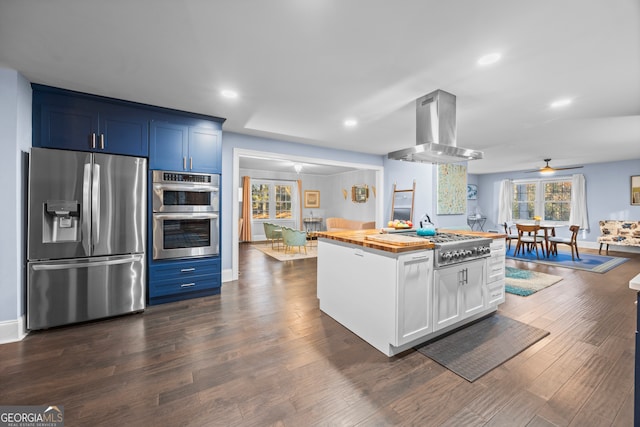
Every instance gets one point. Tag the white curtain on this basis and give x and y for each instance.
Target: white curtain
(505, 213)
(578, 214)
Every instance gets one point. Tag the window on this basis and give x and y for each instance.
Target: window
(283, 201)
(548, 199)
(271, 200)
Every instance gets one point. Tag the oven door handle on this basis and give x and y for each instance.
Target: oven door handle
(196, 215)
(187, 187)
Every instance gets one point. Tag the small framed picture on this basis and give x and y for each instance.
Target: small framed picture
(635, 190)
(472, 192)
(311, 198)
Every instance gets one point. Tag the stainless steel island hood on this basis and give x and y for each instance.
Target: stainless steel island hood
(436, 133)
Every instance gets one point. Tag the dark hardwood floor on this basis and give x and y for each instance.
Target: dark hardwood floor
(262, 353)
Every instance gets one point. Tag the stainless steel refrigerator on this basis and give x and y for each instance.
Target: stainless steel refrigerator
(86, 236)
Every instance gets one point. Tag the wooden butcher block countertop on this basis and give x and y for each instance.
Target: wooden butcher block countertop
(393, 242)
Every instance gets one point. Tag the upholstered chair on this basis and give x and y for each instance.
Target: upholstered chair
(292, 238)
(273, 233)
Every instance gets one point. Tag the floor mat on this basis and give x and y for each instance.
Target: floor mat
(474, 350)
(527, 282)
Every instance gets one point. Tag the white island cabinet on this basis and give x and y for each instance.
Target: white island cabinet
(383, 297)
(459, 292)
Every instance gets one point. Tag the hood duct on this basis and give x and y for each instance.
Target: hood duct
(436, 133)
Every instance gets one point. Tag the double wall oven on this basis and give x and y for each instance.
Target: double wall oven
(186, 214)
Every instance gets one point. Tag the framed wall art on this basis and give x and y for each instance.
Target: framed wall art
(635, 190)
(472, 192)
(311, 198)
(359, 193)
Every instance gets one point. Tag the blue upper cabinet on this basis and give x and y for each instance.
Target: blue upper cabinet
(205, 149)
(124, 131)
(172, 139)
(169, 147)
(76, 123)
(181, 147)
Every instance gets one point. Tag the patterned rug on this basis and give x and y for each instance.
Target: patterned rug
(588, 262)
(476, 349)
(293, 254)
(527, 282)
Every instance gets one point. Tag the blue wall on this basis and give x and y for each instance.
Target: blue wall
(608, 194)
(15, 134)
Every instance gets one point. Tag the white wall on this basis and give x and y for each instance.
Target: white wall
(335, 204)
(15, 138)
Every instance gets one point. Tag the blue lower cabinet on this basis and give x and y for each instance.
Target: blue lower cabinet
(183, 279)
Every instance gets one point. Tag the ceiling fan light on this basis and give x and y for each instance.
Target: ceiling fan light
(547, 171)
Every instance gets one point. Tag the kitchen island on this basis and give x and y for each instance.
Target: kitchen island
(393, 291)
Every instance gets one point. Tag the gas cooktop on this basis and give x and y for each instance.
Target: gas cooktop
(454, 248)
(451, 237)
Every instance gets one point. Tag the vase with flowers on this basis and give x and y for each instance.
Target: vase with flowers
(536, 220)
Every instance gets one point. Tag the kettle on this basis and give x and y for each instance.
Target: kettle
(426, 227)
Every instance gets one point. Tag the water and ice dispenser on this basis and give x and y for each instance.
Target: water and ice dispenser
(61, 221)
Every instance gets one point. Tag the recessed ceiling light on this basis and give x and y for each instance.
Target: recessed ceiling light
(229, 93)
(489, 59)
(350, 123)
(561, 103)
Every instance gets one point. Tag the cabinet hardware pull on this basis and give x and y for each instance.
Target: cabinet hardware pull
(184, 163)
(93, 140)
(187, 285)
(186, 270)
(190, 163)
(102, 141)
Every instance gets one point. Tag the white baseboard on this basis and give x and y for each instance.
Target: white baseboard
(12, 330)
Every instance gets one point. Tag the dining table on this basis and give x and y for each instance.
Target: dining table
(549, 229)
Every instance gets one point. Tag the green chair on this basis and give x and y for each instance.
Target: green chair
(273, 233)
(292, 238)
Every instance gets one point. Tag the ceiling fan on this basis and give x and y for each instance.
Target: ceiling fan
(548, 170)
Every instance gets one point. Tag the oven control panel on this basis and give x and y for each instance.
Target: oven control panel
(185, 177)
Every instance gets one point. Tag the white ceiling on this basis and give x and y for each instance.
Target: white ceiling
(302, 67)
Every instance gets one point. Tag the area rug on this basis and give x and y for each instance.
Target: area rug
(476, 349)
(312, 252)
(527, 282)
(588, 262)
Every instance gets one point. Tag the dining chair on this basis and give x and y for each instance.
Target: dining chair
(571, 241)
(508, 230)
(528, 238)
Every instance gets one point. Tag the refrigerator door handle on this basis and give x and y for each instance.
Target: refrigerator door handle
(86, 209)
(97, 263)
(95, 204)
